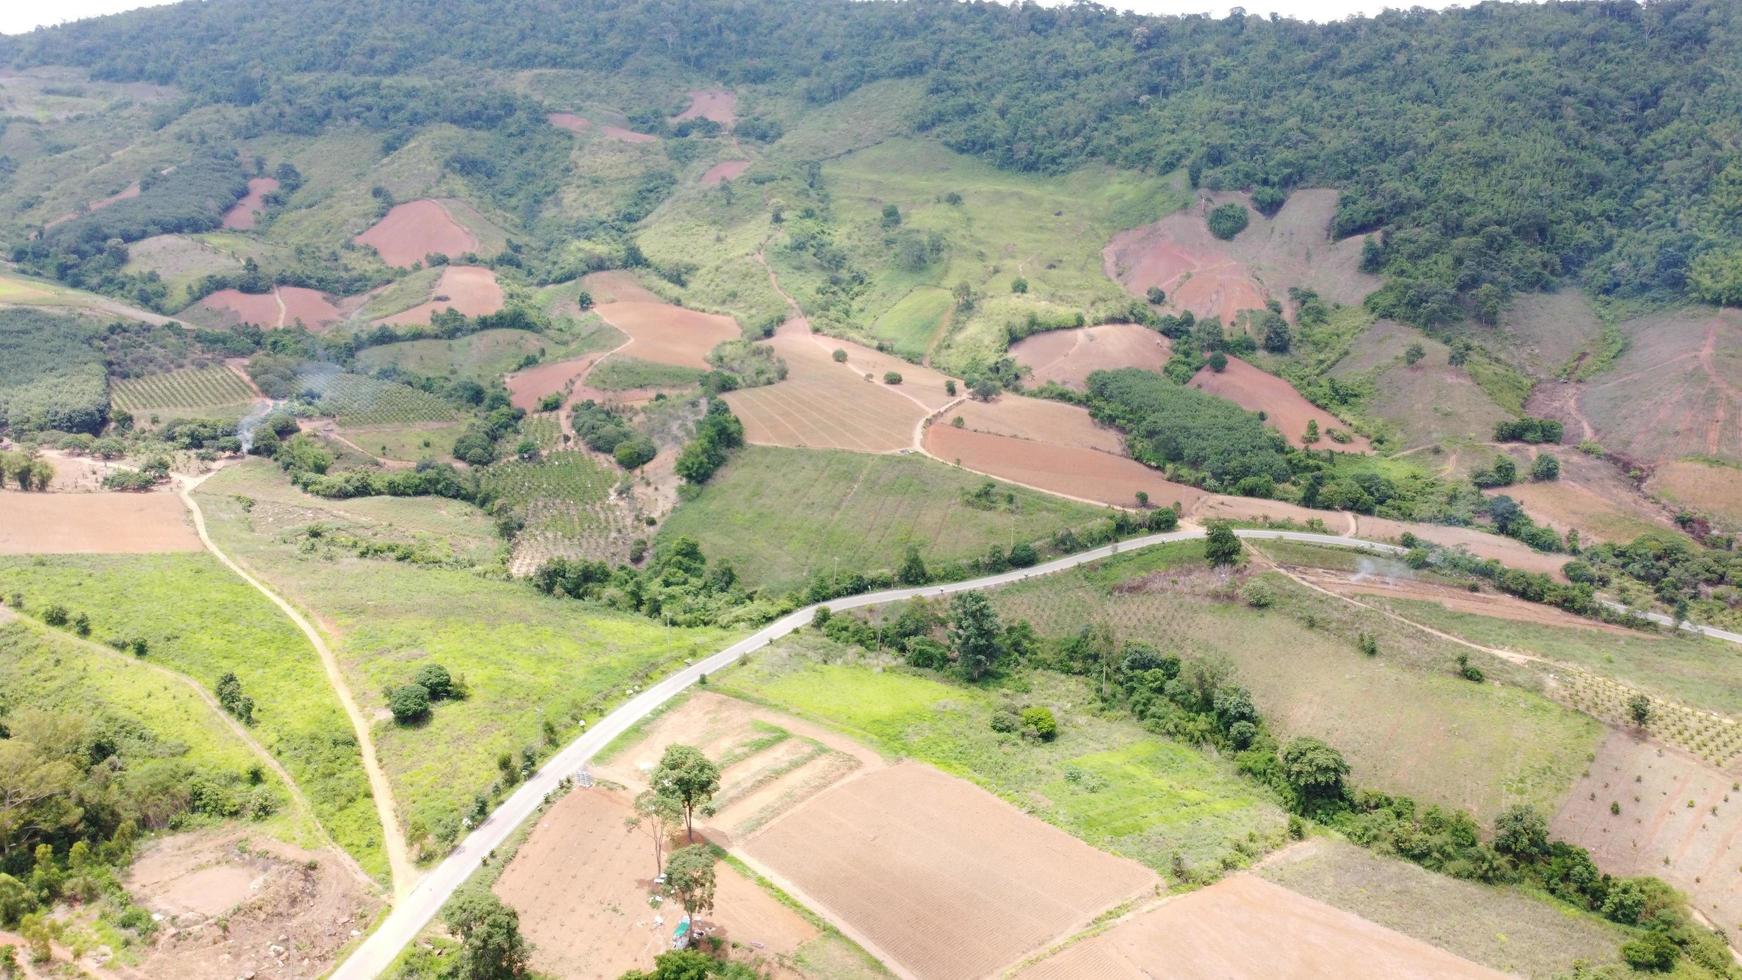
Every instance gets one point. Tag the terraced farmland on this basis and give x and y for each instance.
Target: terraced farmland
(567, 505)
(207, 392)
(357, 400)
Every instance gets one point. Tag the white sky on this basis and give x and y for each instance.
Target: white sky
(17, 16)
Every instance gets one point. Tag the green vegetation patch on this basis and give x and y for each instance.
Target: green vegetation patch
(482, 357)
(621, 373)
(1103, 779)
(191, 393)
(200, 620)
(914, 321)
(357, 400)
(1169, 424)
(50, 375)
(785, 516)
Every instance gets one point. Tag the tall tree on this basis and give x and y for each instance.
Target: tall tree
(687, 778)
(689, 875)
(975, 635)
(656, 816)
(490, 941)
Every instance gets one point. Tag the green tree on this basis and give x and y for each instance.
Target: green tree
(1413, 354)
(1313, 769)
(1311, 435)
(232, 699)
(891, 216)
(1228, 220)
(687, 778)
(1545, 467)
(689, 876)
(1019, 285)
(635, 452)
(1277, 337)
(1221, 545)
(656, 815)
(1639, 710)
(975, 635)
(1155, 295)
(491, 947)
(409, 703)
(1521, 832)
(1218, 361)
(913, 570)
(435, 679)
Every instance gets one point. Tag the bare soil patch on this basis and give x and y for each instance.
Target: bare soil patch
(1071, 471)
(1244, 926)
(1708, 488)
(568, 121)
(1068, 357)
(1037, 420)
(1507, 551)
(282, 307)
(1591, 496)
(1285, 409)
(939, 876)
(582, 885)
(1680, 820)
(658, 331)
(723, 171)
(415, 229)
(622, 135)
(231, 904)
(469, 289)
(718, 105)
(243, 215)
(1676, 391)
(94, 523)
(529, 387)
(824, 405)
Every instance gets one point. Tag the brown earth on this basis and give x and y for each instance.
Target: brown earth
(232, 904)
(1676, 391)
(1070, 471)
(824, 405)
(1068, 357)
(568, 121)
(723, 171)
(919, 384)
(1429, 402)
(1680, 820)
(415, 229)
(1244, 926)
(282, 307)
(1457, 600)
(527, 388)
(622, 135)
(659, 331)
(1036, 420)
(242, 216)
(1707, 488)
(941, 878)
(469, 289)
(716, 104)
(1591, 496)
(94, 523)
(1508, 551)
(1195, 271)
(582, 882)
(1285, 409)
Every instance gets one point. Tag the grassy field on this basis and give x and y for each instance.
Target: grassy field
(783, 516)
(191, 393)
(42, 668)
(527, 659)
(1104, 780)
(411, 442)
(357, 400)
(482, 357)
(1504, 928)
(915, 319)
(1493, 744)
(565, 501)
(202, 621)
(620, 373)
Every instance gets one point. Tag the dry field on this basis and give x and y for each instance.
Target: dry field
(1708, 488)
(724, 171)
(1037, 420)
(232, 905)
(1068, 470)
(415, 229)
(469, 289)
(714, 104)
(1508, 551)
(582, 885)
(242, 216)
(1545, 332)
(1591, 496)
(1285, 409)
(282, 307)
(824, 405)
(939, 877)
(1679, 820)
(1493, 605)
(1244, 926)
(658, 331)
(568, 121)
(527, 388)
(94, 523)
(1068, 357)
(1429, 403)
(919, 384)
(1676, 391)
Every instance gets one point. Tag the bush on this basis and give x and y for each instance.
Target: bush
(1258, 594)
(891, 377)
(435, 679)
(409, 704)
(839, 355)
(1228, 220)
(634, 452)
(1039, 724)
(1545, 467)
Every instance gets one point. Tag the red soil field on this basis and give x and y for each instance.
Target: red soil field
(1037, 420)
(568, 121)
(723, 171)
(1244, 926)
(1654, 786)
(1068, 357)
(659, 331)
(94, 523)
(622, 135)
(1178, 254)
(282, 307)
(718, 105)
(1490, 604)
(242, 216)
(581, 885)
(1676, 391)
(1591, 496)
(940, 877)
(618, 286)
(470, 289)
(527, 388)
(824, 405)
(918, 383)
(415, 229)
(1286, 410)
(1069, 471)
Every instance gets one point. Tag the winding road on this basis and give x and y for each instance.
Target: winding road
(415, 910)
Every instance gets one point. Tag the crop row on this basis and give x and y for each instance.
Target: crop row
(357, 400)
(1711, 737)
(207, 387)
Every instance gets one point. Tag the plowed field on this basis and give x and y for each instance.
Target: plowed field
(242, 215)
(723, 171)
(282, 307)
(1244, 926)
(1069, 356)
(1037, 420)
(938, 876)
(527, 388)
(1069, 470)
(94, 523)
(659, 331)
(415, 229)
(469, 289)
(825, 405)
(716, 104)
(1285, 409)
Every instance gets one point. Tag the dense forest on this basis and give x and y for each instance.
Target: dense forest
(1488, 150)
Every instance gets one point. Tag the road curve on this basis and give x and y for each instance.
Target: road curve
(414, 910)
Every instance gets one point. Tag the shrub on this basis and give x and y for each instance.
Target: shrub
(435, 679)
(839, 355)
(1545, 467)
(409, 703)
(1258, 594)
(634, 452)
(891, 377)
(1039, 724)
(1228, 220)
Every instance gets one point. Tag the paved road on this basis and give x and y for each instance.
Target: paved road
(413, 911)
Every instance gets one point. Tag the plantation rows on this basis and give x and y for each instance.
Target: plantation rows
(357, 400)
(568, 508)
(207, 387)
(1715, 739)
(544, 430)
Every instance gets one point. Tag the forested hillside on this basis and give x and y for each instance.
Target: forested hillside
(1490, 151)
